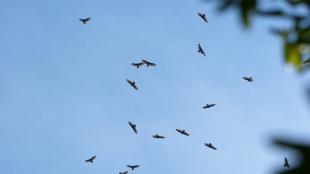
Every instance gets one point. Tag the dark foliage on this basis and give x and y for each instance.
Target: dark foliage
(296, 38)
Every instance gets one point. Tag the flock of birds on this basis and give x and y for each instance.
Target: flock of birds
(132, 83)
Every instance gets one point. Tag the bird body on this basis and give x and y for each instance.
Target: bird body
(133, 84)
(200, 50)
(137, 65)
(85, 20)
(91, 160)
(158, 136)
(203, 16)
(148, 63)
(133, 126)
(208, 106)
(123, 172)
(183, 132)
(210, 145)
(249, 79)
(133, 167)
(286, 164)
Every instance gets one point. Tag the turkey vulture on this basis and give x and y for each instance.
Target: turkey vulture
(85, 20)
(158, 136)
(183, 132)
(133, 84)
(286, 164)
(203, 16)
(148, 63)
(133, 126)
(249, 79)
(91, 160)
(133, 167)
(208, 106)
(137, 65)
(200, 50)
(210, 146)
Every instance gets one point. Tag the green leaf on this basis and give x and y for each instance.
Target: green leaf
(292, 55)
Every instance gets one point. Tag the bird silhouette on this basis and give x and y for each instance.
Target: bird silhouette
(148, 63)
(133, 126)
(133, 167)
(133, 84)
(210, 145)
(123, 172)
(200, 50)
(137, 65)
(183, 132)
(203, 16)
(249, 79)
(91, 160)
(208, 106)
(158, 136)
(286, 164)
(85, 20)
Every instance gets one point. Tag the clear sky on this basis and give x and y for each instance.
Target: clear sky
(64, 95)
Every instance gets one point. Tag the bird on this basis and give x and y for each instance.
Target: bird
(91, 160)
(200, 50)
(183, 132)
(123, 172)
(203, 16)
(208, 106)
(307, 61)
(133, 84)
(286, 164)
(148, 63)
(85, 20)
(158, 136)
(133, 167)
(137, 65)
(210, 145)
(133, 126)
(249, 79)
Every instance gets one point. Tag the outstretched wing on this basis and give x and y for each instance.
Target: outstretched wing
(129, 81)
(134, 86)
(133, 126)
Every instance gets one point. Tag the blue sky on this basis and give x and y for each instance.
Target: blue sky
(64, 95)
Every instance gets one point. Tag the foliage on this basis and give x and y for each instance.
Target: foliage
(304, 157)
(296, 38)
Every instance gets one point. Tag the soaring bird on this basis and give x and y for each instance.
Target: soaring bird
(183, 132)
(286, 164)
(91, 160)
(123, 172)
(210, 146)
(133, 84)
(203, 16)
(200, 50)
(249, 79)
(133, 167)
(158, 136)
(208, 106)
(133, 126)
(148, 63)
(137, 65)
(307, 61)
(85, 20)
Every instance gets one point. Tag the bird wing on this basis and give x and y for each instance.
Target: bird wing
(135, 86)
(152, 64)
(134, 64)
